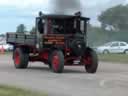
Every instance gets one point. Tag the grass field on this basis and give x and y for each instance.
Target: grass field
(121, 58)
(13, 91)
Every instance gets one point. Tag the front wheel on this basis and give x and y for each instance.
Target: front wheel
(90, 61)
(57, 61)
(20, 58)
(126, 51)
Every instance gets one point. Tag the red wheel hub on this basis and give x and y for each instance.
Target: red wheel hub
(16, 58)
(55, 61)
(87, 60)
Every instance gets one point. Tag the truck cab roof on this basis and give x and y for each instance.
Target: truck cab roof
(57, 16)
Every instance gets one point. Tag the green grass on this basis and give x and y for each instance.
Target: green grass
(121, 58)
(13, 91)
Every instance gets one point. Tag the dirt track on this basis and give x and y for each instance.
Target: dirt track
(110, 80)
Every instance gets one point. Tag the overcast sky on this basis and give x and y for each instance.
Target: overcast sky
(14, 12)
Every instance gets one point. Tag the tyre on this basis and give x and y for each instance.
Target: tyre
(49, 60)
(105, 52)
(90, 61)
(126, 51)
(57, 61)
(20, 58)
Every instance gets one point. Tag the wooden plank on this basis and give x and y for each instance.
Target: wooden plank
(21, 39)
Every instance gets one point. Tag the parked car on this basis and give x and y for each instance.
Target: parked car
(113, 47)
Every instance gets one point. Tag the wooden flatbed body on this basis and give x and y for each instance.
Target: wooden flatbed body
(21, 39)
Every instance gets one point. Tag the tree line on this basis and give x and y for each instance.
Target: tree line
(114, 26)
(22, 29)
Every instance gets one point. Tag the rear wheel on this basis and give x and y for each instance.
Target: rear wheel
(90, 61)
(57, 61)
(21, 58)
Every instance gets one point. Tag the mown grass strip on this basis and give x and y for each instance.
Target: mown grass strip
(14, 91)
(121, 58)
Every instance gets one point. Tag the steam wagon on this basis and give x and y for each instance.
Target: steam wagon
(58, 41)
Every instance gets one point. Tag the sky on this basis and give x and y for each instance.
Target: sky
(15, 12)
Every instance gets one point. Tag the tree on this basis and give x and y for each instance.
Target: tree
(2, 35)
(114, 21)
(115, 18)
(33, 30)
(21, 28)
(96, 36)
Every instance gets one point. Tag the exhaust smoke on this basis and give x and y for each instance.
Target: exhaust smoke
(66, 6)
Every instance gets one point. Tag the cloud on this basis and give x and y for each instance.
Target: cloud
(23, 3)
(14, 12)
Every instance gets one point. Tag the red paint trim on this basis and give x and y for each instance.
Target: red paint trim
(44, 54)
(71, 58)
(22, 45)
(17, 58)
(67, 50)
(69, 61)
(87, 60)
(37, 58)
(56, 61)
(73, 64)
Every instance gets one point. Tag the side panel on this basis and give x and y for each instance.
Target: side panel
(21, 39)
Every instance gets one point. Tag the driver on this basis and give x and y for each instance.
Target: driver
(40, 23)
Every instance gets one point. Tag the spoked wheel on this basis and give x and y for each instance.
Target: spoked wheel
(57, 61)
(20, 58)
(90, 61)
